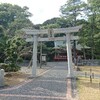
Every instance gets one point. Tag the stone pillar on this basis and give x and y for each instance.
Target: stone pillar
(69, 56)
(1, 77)
(34, 62)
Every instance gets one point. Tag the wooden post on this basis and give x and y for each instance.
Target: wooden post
(99, 85)
(90, 79)
(85, 74)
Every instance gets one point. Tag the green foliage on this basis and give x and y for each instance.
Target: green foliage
(4, 66)
(13, 17)
(8, 67)
(51, 21)
(89, 34)
(72, 10)
(10, 51)
(14, 46)
(1, 29)
(93, 14)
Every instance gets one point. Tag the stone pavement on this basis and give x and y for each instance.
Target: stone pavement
(52, 85)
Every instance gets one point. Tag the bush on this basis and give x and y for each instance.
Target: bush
(9, 67)
(4, 66)
(14, 67)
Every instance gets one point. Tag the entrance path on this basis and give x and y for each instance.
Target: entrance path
(52, 85)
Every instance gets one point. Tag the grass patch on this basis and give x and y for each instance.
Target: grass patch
(95, 69)
(87, 90)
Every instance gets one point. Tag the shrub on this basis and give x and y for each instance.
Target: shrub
(9, 67)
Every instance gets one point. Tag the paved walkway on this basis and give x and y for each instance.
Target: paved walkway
(52, 85)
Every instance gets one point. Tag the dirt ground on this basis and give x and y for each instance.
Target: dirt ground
(89, 90)
(15, 78)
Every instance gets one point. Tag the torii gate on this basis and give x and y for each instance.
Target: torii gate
(51, 37)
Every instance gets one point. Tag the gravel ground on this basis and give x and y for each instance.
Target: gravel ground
(50, 86)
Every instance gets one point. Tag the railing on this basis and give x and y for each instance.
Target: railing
(94, 62)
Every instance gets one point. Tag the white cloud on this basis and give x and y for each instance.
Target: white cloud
(41, 9)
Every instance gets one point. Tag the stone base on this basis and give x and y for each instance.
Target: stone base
(71, 77)
(31, 77)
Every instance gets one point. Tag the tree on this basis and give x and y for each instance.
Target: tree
(93, 13)
(14, 18)
(89, 35)
(51, 21)
(71, 11)
(12, 51)
(84, 37)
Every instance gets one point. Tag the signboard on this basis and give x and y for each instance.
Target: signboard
(43, 58)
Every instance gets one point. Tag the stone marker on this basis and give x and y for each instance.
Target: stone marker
(1, 77)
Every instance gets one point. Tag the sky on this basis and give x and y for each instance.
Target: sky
(41, 10)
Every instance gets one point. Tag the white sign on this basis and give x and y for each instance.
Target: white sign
(43, 58)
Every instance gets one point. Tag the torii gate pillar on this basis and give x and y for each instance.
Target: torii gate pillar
(69, 55)
(34, 62)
